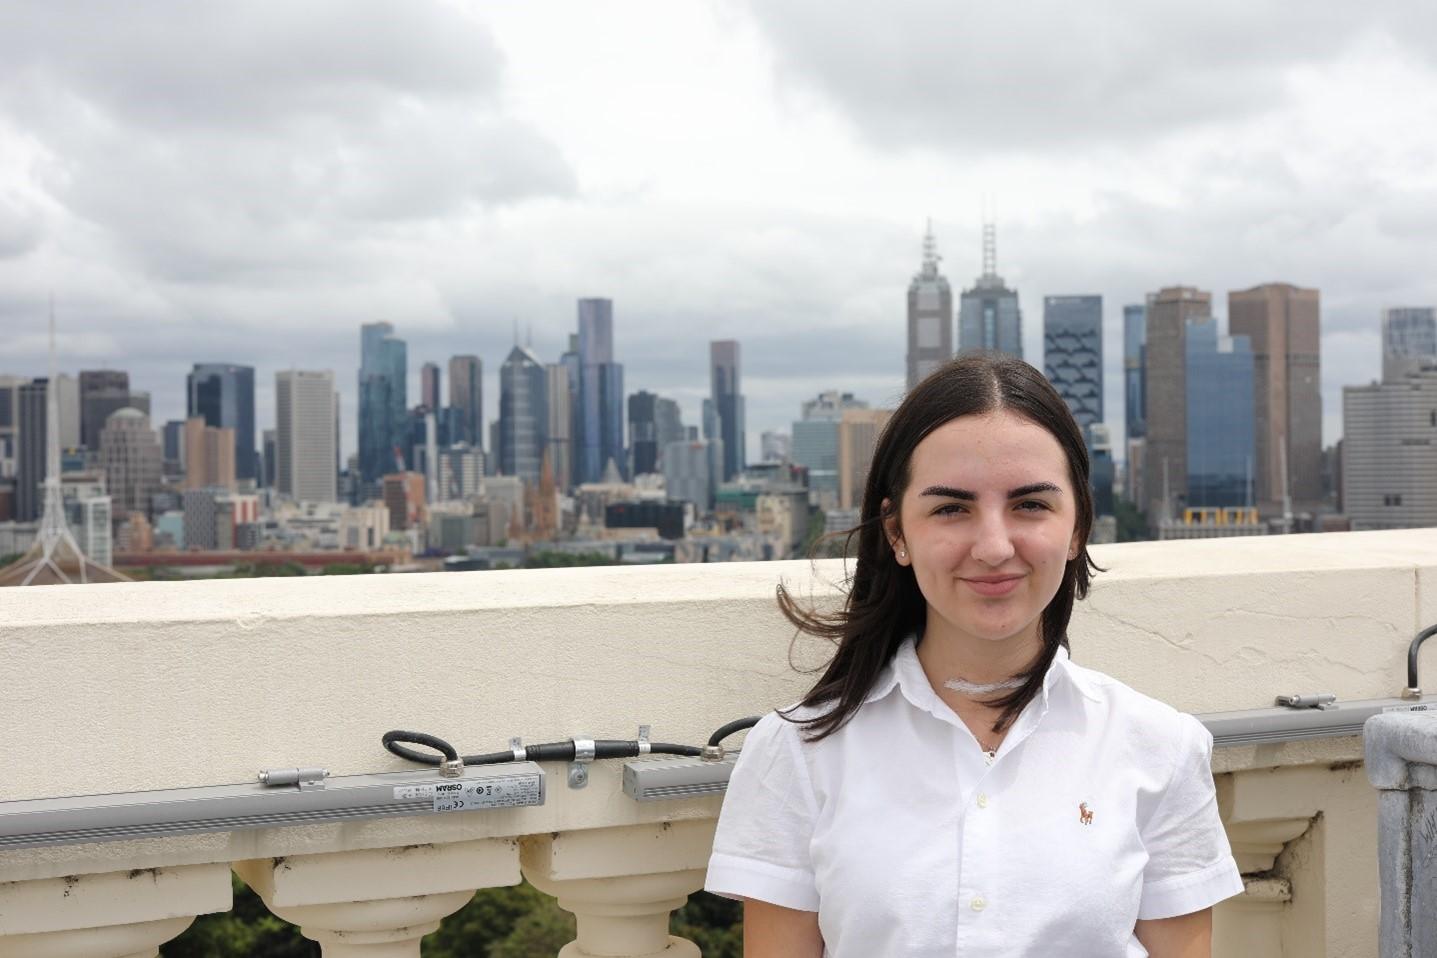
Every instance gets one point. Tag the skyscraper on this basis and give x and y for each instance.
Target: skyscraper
(466, 398)
(988, 314)
(858, 432)
(724, 390)
(1409, 340)
(1283, 322)
(429, 386)
(815, 443)
(560, 434)
(102, 391)
(383, 410)
(9, 423)
(523, 415)
(1389, 453)
(1165, 458)
(1073, 353)
(930, 316)
(209, 455)
(304, 435)
(1220, 423)
(601, 392)
(643, 434)
(1135, 338)
(131, 456)
(222, 394)
(31, 454)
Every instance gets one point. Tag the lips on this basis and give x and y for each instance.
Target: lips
(993, 586)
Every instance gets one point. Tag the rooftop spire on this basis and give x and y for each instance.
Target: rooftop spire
(930, 251)
(990, 248)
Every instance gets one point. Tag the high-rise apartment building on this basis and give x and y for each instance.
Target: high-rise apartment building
(209, 456)
(600, 412)
(988, 315)
(383, 403)
(305, 404)
(1389, 453)
(1073, 353)
(429, 386)
(466, 398)
(1165, 454)
(30, 454)
(9, 423)
(523, 415)
(1409, 341)
(930, 316)
(1220, 421)
(222, 394)
(1135, 338)
(1283, 322)
(132, 458)
(102, 391)
(858, 432)
(727, 396)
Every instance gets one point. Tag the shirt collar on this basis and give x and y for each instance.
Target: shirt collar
(906, 673)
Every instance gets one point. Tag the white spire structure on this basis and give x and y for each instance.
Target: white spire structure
(55, 558)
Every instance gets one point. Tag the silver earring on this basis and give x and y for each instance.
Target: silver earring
(902, 554)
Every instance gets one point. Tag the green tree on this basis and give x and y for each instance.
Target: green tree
(248, 930)
(265, 569)
(548, 559)
(7, 559)
(714, 924)
(347, 568)
(1132, 524)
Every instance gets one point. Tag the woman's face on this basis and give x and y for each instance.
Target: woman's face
(987, 523)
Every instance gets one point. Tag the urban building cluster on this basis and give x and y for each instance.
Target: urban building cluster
(1223, 421)
(1223, 437)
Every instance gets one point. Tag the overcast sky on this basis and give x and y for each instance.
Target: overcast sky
(222, 182)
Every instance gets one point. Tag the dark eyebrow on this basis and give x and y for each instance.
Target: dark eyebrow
(948, 492)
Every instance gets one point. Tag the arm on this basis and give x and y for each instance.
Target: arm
(771, 931)
(1182, 936)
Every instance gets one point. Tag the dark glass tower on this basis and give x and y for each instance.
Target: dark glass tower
(222, 394)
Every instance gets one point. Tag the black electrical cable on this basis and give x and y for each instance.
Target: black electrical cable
(544, 752)
(1422, 636)
(738, 725)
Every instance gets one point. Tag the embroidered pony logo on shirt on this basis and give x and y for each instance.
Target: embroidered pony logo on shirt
(1085, 814)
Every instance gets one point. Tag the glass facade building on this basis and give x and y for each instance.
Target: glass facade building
(600, 412)
(222, 394)
(1073, 353)
(523, 415)
(1221, 433)
(383, 411)
(1135, 343)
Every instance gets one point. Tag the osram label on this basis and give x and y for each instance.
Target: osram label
(466, 796)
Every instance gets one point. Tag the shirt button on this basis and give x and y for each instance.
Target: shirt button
(978, 904)
(982, 800)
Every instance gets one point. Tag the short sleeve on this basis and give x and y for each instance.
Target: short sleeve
(761, 847)
(1190, 864)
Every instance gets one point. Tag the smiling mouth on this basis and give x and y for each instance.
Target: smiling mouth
(991, 587)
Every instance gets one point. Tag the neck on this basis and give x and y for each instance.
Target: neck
(946, 653)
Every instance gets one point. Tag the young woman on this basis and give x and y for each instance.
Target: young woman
(954, 785)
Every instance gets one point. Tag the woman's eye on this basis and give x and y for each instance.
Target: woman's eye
(948, 509)
(1033, 505)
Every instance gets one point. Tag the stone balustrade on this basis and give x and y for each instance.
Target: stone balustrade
(133, 687)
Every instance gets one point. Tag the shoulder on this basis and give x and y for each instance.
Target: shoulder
(1154, 726)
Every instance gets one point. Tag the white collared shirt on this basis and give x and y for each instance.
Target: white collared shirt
(1098, 810)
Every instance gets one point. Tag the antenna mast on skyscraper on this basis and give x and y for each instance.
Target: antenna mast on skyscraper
(990, 237)
(930, 249)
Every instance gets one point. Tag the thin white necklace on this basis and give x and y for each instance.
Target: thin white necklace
(965, 687)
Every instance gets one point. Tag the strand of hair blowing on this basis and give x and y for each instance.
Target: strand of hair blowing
(884, 605)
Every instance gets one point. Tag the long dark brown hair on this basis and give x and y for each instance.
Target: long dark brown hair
(884, 605)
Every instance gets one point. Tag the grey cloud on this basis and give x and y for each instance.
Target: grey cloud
(20, 228)
(1050, 74)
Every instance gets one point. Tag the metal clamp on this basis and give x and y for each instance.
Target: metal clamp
(579, 767)
(643, 740)
(1320, 700)
(307, 779)
(516, 745)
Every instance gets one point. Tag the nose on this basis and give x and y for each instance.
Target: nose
(994, 545)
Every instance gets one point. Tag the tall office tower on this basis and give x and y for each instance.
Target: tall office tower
(102, 391)
(930, 316)
(1221, 449)
(1073, 353)
(988, 314)
(403, 495)
(172, 435)
(466, 398)
(1165, 462)
(31, 454)
(9, 423)
(1389, 453)
(429, 386)
(523, 415)
(209, 456)
(858, 432)
(304, 436)
(643, 433)
(668, 423)
(815, 443)
(691, 472)
(383, 403)
(1284, 323)
(1135, 338)
(222, 394)
(725, 391)
(1099, 440)
(560, 431)
(1409, 340)
(69, 399)
(600, 413)
(131, 456)
(269, 442)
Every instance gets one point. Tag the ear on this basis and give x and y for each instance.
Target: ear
(893, 532)
(1074, 547)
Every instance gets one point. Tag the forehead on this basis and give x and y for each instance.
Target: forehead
(992, 450)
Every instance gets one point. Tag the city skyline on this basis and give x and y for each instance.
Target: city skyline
(343, 190)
